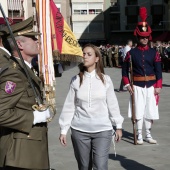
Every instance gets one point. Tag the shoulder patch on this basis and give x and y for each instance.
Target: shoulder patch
(10, 87)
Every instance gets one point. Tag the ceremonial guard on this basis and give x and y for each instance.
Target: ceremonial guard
(147, 79)
(23, 131)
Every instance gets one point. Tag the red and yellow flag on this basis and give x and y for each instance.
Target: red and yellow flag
(57, 40)
(63, 38)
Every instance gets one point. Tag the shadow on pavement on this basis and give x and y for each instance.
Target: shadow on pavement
(129, 164)
(120, 91)
(165, 85)
(127, 137)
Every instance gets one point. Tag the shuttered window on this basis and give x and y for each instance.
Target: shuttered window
(15, 5)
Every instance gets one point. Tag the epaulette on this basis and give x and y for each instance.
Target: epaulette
(14, 63)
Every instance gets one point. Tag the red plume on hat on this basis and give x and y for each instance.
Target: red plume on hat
(143, 14)
(143, 29)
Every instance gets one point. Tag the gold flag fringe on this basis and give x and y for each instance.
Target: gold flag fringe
(50, 94)
(66, 57)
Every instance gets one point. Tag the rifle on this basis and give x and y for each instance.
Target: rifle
(133, 103)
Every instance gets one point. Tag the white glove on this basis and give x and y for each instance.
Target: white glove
(41, 116)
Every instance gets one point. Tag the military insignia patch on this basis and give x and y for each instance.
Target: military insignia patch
(10, 87)
(14, 65)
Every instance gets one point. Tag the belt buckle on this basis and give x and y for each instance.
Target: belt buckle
(146, 78)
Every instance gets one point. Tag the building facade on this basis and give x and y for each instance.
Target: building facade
(19, 10)
(65, 9)
(168, 2)
(99, 21)
(13, 9)
(88, 20)
(123, 16)
(113, 21)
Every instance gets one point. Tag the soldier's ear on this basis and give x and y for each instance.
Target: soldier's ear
(20, 45)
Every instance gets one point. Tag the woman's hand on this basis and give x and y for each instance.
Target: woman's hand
(118, 135)
(62, 139)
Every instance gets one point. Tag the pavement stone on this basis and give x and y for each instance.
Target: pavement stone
(129, 156)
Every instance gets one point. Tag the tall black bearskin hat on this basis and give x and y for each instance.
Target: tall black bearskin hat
(142, 28)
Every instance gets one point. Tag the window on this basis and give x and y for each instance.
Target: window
(95, 8)
(87, 8)
(115, 22)
(87, 27)
(15, 9)
(157, 2)
(156, 24)
(80, 8)
(131, 2)
(132, 10)
(131, 22)
(14, 14)
(132, 19)
(95, 11)
(80, 27)
(156, 20)
(157, 10)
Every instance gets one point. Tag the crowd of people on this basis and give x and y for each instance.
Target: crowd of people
(163, 49)
(113, 55)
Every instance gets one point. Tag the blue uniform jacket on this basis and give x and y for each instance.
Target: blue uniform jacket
(146, 62)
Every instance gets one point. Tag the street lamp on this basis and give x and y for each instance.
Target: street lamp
(160, 23)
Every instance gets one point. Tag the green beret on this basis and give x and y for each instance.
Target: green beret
(24, 28)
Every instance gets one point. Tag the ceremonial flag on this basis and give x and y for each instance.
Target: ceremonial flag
(46, 65)
(63, 39)
(57, 41)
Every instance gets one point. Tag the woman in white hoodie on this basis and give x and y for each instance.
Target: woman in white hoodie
(90, 109)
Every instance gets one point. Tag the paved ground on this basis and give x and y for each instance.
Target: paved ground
(129, 156)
